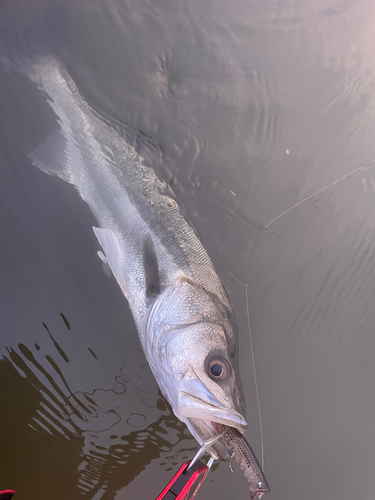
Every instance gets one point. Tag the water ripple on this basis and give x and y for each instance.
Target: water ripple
(119, 429)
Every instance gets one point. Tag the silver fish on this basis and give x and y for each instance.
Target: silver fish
(182, 312)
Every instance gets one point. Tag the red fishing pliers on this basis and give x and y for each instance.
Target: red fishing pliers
(186, 482)
(189, 478)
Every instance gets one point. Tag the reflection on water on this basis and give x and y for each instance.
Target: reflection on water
(101, 440)
(21, 401)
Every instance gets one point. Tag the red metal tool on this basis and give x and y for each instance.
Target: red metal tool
(185, 483)
(6, 494)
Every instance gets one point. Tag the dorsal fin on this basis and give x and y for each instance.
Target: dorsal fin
(151, 268)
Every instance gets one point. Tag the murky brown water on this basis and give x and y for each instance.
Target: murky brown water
(256, 106)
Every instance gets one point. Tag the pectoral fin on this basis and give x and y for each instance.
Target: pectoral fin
(113, 257)
(151, 269)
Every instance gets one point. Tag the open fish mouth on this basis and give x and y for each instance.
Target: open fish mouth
(229, 443)
(205, 420)
(220, 431)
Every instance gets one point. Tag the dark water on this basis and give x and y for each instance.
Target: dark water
(256, 106)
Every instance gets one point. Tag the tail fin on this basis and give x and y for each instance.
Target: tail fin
(62, 150)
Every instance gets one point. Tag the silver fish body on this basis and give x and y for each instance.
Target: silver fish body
(182, 312)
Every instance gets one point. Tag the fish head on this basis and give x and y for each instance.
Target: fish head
(209, 387)
(202, 386)
(194, 363)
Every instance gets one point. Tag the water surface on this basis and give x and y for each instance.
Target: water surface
(255, 106)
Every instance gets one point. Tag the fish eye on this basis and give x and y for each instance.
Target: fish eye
(216, 370)
(219, 368)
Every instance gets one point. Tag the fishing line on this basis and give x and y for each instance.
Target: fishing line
(247, 300)
(255, 378)
(320, 191)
